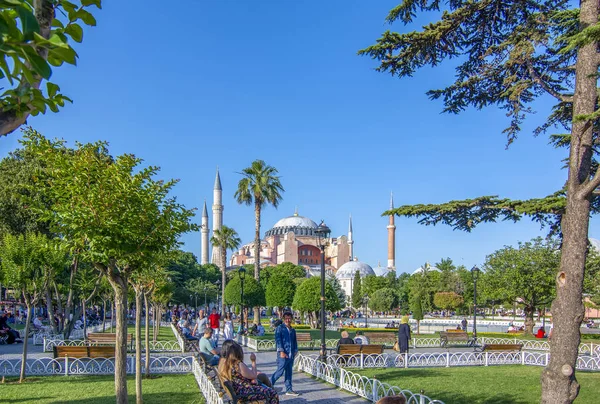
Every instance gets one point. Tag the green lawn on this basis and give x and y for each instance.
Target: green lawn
(475, 385)
(99, 390)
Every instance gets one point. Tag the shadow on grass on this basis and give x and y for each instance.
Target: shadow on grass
(482, 397)
(149, 398)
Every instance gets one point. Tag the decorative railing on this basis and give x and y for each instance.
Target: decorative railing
(155, 346)
(97, 366)
(269, 344)
(179, 338)
(371, 389)
(451, 359)
(206, 386)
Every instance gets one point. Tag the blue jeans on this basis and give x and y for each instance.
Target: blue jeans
(284, 365)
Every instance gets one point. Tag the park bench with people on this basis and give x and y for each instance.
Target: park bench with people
(454, 336)
(355, 349)
(502, 347)
(190, 345)
(106, 338)
(62, 351)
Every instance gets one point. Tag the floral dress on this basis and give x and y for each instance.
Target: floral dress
(250, 391)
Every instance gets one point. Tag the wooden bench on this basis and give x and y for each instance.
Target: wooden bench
(189, 344)
(502, 347)
(107, 338)
(305, 337)
(390, 337)
(355, 349)
(83, 351)
(231, 397)
(455, 336)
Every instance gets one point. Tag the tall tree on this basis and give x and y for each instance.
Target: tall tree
(525, 274)
(114, 212)
(35, 37)
(510, 53)
(27, 267)
(357, 294)
(280, 291)
(308, 299)
(260, 185)
(227, 239)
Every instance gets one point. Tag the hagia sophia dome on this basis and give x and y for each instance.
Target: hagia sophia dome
(428, 267)
(299, 225)
(348, 270)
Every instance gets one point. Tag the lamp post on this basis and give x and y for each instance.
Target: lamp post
(366, 302)
(475, 273)
(322, 232)
(205, 296)
(242, 273)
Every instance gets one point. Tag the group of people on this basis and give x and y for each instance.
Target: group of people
(8, 335)
(403, 336)
(246, 380)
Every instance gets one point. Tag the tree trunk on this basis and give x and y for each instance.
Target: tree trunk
(223, 279)
(257, 211)
(103, 315)
(84, 319)
(559, 384)
(25, 340)
(147, 335)
(67, 322)
(529, 312)
(59, 308)
(138, 346)
(50, 309)
(119, 285)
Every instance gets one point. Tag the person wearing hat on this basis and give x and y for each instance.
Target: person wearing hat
(403, 334)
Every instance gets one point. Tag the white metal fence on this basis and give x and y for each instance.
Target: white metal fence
(371, 389)
(155, 346)
(97, 366)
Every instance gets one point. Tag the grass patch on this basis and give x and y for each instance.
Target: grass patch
(100, 390)
(478, 385)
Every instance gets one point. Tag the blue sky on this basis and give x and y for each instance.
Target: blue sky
(202, 84)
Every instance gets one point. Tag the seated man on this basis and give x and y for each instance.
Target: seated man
(540, 333)
(13, 335)
(207, 349)
(260, 330)
(187, 332)
(345, 339)
(253, 329)
(38, 325)
(361, 339)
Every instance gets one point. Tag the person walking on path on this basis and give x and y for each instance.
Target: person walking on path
(214, 321)
(403, 334)
(287, 348)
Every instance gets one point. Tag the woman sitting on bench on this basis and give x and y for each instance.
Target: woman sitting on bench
(244, 379)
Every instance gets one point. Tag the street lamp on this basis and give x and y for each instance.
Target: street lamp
(475, 273)
(242, 273)
(366, 302)
(322, 232)
(205, 297)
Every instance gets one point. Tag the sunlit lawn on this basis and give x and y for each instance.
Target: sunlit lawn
(164, 334)
(99, 390)
(474, 385)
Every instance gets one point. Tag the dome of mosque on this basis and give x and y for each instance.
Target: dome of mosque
(428, 267)
(299, 225)
(381, 271)
(348, 270)
(595, 243)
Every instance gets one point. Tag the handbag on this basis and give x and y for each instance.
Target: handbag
(396, 347)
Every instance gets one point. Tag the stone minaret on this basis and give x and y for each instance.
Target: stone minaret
(217, 209)
(204, 239)
(391, 238)
(350, 240)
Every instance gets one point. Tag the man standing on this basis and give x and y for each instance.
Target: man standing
(214, 323)
(287, 348)
(200, 324)
(464, 324)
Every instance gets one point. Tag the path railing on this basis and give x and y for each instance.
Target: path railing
(155, 346)
(206, 387)
(371, 389)
(97, 366)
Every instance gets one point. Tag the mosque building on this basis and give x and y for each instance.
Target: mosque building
(293, 239)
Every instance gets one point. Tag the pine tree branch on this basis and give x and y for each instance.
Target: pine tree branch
(591, 186)
(538, 80)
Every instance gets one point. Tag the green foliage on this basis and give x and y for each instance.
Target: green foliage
(337, 287)
(280, 290)
(308, 296)
(525, 274)
(254, 294)
(291, 270)
(416, 307)
(225, 238)
(35, 38)
(357, 294)
(372, 283)
(447, 300)
(383, 300)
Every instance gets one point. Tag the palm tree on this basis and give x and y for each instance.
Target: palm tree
(227, 239)
(260, 185)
